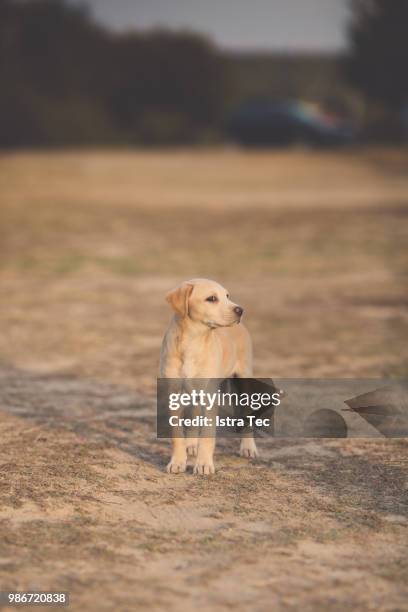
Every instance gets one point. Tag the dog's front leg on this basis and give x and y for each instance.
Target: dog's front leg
(178, 459)
(192, 434)
(206, 442)
(205, 456)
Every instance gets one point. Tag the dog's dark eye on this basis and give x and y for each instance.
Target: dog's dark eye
(227, 296)
(212, 298)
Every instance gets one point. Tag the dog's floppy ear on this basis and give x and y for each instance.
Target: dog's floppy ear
(178, 298)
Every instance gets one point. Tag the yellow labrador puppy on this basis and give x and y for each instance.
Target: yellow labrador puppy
(205, 339)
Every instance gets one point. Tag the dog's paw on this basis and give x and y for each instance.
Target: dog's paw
(204, 468)
(192, 449)
(176, 466)
(248, 448)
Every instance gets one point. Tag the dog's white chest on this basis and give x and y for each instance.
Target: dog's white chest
(198, 363)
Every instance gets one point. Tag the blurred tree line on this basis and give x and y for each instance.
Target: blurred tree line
(376, 64)
(66, 80)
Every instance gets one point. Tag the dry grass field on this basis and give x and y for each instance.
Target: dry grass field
(314, 246)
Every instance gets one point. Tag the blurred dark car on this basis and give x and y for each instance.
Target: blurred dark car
(264, 123)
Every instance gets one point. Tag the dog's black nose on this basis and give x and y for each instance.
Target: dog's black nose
(238, 310)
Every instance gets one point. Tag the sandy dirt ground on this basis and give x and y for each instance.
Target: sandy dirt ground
(314, 247)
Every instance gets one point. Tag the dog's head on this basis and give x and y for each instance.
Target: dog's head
(206, 302)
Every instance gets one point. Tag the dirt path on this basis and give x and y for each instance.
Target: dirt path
(313, 245)
(86, 507)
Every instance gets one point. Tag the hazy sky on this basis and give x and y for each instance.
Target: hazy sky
(237, 24)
